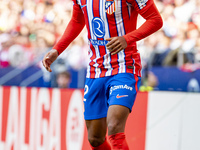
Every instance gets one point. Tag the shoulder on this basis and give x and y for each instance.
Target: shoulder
(76, 2)
(140, 4)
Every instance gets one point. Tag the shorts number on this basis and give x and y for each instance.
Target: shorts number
(86, 89)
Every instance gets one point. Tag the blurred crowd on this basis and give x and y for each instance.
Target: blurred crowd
(29, 28)
(178, 42)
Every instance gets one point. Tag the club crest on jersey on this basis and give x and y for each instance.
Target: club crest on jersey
(110, 6)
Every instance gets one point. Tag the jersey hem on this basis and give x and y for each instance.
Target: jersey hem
(139, 75)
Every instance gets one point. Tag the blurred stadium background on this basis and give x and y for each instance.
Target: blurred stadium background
(167, 117)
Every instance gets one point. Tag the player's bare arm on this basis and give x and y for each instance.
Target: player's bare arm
(116, 44)
(49, 58)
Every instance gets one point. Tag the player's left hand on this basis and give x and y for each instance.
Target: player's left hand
(116, 44)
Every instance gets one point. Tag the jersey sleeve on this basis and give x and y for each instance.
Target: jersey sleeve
(72, 30)
(147, 9)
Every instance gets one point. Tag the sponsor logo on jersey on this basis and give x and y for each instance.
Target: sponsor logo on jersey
(98, 27)
(120, 96)
(98, 42)
(110, 6)
(120, 87)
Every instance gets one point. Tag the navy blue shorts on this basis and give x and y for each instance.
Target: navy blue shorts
(100, 93)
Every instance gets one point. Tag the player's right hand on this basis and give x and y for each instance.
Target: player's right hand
(49, 58)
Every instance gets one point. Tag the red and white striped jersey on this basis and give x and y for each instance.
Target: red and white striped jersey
(111, 18)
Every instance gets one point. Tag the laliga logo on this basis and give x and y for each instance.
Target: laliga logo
(35, 114)
(98, 27)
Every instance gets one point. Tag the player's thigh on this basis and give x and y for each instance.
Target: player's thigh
(96, 128)
(116, 118)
